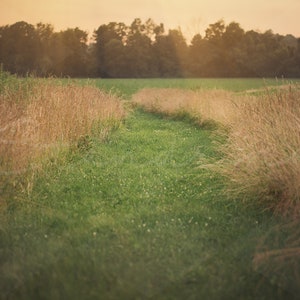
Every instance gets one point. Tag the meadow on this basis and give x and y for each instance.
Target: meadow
(138, 206)
(129, 87)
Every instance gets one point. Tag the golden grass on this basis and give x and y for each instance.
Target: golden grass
(43, 118)
(262, 155)
(263, 149)
(201, 105)
(261, 158)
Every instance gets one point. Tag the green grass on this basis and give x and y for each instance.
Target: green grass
(127, 87)
(134, 218)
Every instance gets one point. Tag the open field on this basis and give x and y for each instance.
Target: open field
(128, 87)
(136, 216)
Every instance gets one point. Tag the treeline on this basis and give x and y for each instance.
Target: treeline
(145, 49)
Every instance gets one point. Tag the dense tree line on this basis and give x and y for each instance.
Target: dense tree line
(145, 49)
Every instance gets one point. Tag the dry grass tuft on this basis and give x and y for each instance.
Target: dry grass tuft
(263, 149)
(262, 156)
(202, 105)
(43, 118)
(261, 159)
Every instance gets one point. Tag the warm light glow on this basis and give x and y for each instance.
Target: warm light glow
(193, 16)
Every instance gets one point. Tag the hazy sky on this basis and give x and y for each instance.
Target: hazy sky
(193, 16)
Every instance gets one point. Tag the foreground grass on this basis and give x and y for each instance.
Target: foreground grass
(260, 160)
(41, 118)
(134, 218)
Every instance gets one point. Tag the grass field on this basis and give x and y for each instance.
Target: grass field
(135, 216)
(127, 87)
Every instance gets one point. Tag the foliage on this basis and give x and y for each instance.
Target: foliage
(144, 49)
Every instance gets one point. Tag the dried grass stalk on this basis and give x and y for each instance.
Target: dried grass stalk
(201, 105)
(45, 117)
(262, 156)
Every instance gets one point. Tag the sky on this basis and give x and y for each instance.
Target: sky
(192, 16)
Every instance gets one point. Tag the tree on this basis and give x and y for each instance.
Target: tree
(140, 59)
(196, 56)
(114, 63)
(171, 54)
(232, 57)
(232, 35)
(215, 56)
(290, 66)
(69, 52)
(143, 49)
(19, 47)
(44, 62)
(215, 31)
(103, 35)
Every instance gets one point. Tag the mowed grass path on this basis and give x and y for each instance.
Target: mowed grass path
(134, 217)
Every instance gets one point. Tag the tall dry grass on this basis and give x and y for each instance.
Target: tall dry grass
(262, 153)
(262, 156)
(40, 118)
(202, 106)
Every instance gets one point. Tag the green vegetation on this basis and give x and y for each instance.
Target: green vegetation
(128, 87)
(135, 216)
(146, 50)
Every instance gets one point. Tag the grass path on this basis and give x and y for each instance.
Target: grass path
(133, 218)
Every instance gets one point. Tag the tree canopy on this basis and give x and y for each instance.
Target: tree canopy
(145, 49)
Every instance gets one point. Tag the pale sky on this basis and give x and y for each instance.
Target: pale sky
(193, 16)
